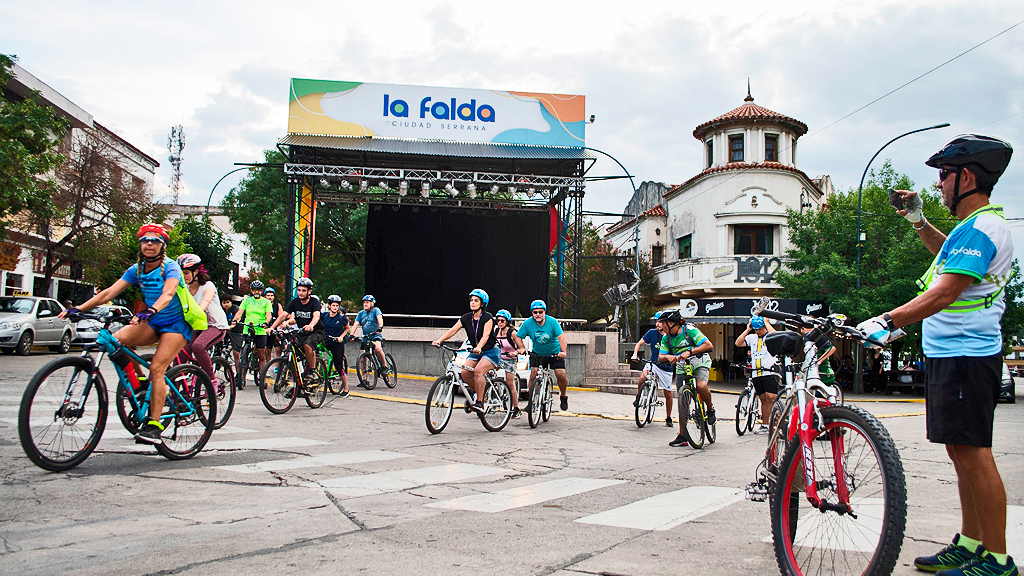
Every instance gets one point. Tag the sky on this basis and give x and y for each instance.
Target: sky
(651, 72)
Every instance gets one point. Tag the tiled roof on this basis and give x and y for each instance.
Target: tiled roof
(749, 112)
(735, 166)
(658, 210)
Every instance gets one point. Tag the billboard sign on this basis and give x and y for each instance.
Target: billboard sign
(334, 108)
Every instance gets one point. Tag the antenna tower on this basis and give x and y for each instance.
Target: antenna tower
(175, 144)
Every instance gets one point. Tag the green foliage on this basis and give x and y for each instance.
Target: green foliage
(599, 274)
(203, 240)
(30, 136)
(1013, 317)
(824, 250)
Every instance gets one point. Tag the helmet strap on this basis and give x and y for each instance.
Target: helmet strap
(957, 196)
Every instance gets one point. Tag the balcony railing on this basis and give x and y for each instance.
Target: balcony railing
(719, 272)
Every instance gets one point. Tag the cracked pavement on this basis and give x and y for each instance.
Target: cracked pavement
(127, 510)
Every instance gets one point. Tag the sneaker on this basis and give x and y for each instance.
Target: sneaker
(711, 417)
(679, 441)
(478, 407)
(761, 430)
(636, 401)
(564, 403)
(983, 565)
(345, 393)
(516, 413)
(950, 557)
(150, 433)
(668, 421)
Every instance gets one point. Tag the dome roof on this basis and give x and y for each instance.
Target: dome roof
(749, 112)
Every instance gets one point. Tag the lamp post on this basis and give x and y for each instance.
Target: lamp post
(208, 200)
(858, 377)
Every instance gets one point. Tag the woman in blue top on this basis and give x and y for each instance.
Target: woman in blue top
(336, 326)
(161, 323)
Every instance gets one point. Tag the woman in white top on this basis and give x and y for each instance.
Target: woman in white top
(205, 293)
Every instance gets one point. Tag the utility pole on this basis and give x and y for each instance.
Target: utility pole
(175, 144)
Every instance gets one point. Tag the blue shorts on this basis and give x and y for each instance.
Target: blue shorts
(176, 325)
(494, 355)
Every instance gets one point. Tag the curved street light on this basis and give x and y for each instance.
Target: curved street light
(208, 200)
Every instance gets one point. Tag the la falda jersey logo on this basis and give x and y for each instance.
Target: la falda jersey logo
(441, 110)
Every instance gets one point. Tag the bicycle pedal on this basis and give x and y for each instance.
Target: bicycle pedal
(757, 492)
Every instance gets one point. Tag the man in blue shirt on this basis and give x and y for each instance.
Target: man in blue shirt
(371, 320)
(961, 303)
(549, 347)
(662, 371)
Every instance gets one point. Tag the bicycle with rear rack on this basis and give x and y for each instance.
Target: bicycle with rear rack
(647, 401)
(63, 411)
(831, 473)
(497, 398)
(369, 367)
(284, 378)
(223, 386)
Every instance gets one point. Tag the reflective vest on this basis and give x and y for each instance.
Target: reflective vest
(961, 306)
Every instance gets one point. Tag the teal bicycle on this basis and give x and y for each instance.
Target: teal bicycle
(64, 408)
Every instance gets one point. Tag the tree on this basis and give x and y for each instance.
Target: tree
(599, 273)
(259, 208)
(30, 135)
(205, 241)
(1013, 316)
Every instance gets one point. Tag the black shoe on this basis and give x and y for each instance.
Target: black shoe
(149, 434)
(679, 441)
(516, 413)
(478, 407)
(345, 393)
(668, 421)
(636, 401)
(564, 403)
(711, 417)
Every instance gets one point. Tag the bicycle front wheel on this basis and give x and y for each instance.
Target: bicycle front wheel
(316, 387)
(743, 410)
(243, 365)
(549, 398)
(754, 414)
(497, 406)
(533, 404)
(367, 371)
(439, 404)
(777, 419)
(225, 390)
(188, 420)
(853, 454)
(693, 424)
(642, 400)
(277, 385)
(59, 434)
(391, 373)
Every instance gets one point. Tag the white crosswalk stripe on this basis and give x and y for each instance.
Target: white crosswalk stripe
(214, 445)
(525, 495)
(666, 511)
(119, 433)
(320, 460)
(399, 480)
(858, 536)
(1015, 531)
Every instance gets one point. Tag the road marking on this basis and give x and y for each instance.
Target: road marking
(666, 511)
(9, 408)
(336, 459)
(525, 495)
(1015, 531)
(399, 480)
(122, 434)
(253, 444)
(856, 535)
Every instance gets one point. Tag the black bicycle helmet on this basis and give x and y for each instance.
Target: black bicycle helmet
(991, 153)
(256, 285)
(304, 282)
(670, 316)
(334, 298)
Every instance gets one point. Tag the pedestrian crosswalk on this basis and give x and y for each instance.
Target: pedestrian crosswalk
(666, 511)
(525, 495)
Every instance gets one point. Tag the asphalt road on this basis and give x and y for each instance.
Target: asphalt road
(586, 493)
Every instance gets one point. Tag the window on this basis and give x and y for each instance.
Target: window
(771, 148)
(754, 239)
(792, 149)
(736, 148)
(685, 245)
(13, 283)
(657, 255)
(710, 147)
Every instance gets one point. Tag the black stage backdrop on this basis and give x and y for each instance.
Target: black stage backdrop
(422, 260)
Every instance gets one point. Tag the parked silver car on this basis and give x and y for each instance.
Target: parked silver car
(29, 320)
(1007, 392)
(89, 330)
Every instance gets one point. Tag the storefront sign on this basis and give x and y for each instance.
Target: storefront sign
(742, 306)
(420, 112)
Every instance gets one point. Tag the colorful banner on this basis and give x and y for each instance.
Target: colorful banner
(332, 108)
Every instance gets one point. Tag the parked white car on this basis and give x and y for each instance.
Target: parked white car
(29, 320)
(89, 330)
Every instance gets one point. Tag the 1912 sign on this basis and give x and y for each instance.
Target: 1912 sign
(754, 269)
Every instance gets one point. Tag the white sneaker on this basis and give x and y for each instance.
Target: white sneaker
(762, 429)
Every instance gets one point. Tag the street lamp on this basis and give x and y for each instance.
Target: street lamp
(208, 200)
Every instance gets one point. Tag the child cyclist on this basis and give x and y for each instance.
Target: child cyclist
(161, 323)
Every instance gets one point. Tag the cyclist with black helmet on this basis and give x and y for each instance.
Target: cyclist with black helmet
(484, 356)
(662, 370)
(961, 303)
(277, 310)
(256, 309)
(336, 326)
(685, 343)
(549, 347)
(304, 310)
(371, 321)
(763, 375)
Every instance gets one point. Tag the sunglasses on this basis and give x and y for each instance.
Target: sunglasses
(148, 240)
(943, 172)
(502, 320)
(537, 311)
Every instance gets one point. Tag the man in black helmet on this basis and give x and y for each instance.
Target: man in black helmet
(960, 304)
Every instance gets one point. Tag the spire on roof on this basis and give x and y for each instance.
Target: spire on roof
(749, 98)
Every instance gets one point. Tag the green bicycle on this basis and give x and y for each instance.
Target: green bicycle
(693, 413)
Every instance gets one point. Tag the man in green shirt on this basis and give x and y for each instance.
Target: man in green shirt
(257, 310)
(685, 343)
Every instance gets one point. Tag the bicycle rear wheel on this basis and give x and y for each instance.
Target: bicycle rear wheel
(277, 385)
(243, 364)
(58, 435)
(754, 414)
(225, 390)
(534, 403)
(743, 411)
(497, 406)
(334, 385)
(316, 387)
(189, 424)
(391, 373)
(643, 399)
(867, 540)
(439, 404)
(693, 424)
(710, 430)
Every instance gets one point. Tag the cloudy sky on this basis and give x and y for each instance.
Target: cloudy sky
(651, 72)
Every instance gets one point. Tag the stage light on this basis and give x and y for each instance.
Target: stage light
(363, 185)
(382, 185)
(451, 189)
(512, 190)
(494, 189)
(403, 187)
(471, 190)
(345, 184)
(425, 189)
(530, 192)
(324, 183)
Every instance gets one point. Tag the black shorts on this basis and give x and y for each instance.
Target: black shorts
(312, 338)
(259, 341)
(272, 341)
(762, 384)
(961, 399)
(547, 362)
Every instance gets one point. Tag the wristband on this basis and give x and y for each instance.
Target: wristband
(888, 322)
(923, 223)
